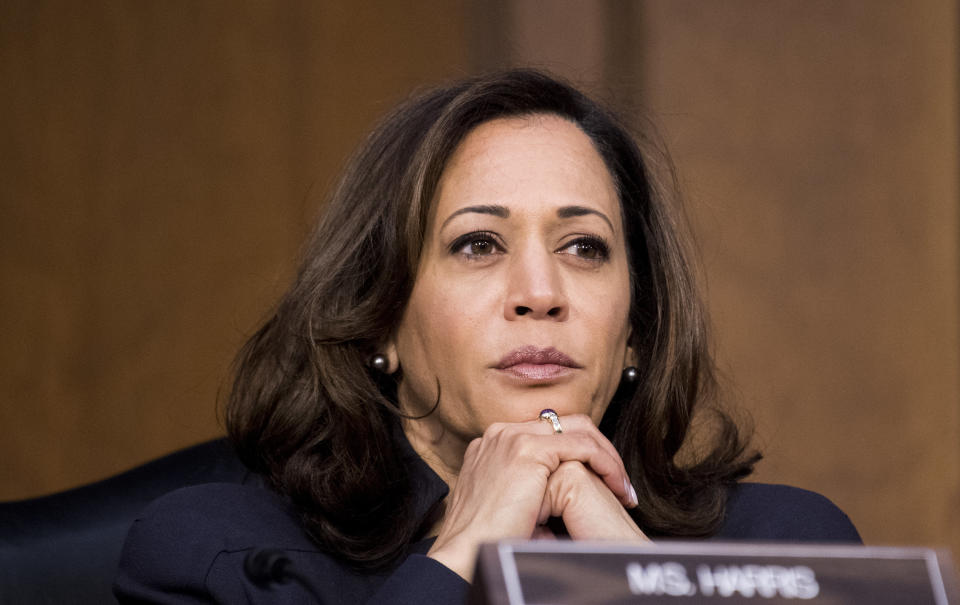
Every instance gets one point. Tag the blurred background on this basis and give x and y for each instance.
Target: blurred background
(161, 163)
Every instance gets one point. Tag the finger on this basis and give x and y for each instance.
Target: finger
(581, 441)
(572, 423)
(584, 448)
(582, 422)
(589, 510)
(546, 507)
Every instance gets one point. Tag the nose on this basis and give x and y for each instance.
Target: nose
(535, 289)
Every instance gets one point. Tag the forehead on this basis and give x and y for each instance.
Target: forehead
(527, 163)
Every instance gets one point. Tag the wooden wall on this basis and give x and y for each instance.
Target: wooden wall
(159, 167)
(818, 144)
(161, 163)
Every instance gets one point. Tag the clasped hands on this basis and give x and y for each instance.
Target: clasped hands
(518, 475)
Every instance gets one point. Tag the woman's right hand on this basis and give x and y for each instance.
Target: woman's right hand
(501, 491)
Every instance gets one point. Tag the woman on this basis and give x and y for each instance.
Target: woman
(494, 334)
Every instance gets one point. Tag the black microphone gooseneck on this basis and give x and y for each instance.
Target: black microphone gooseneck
(266, 566)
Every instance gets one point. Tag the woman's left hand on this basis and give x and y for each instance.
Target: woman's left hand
(590, 511)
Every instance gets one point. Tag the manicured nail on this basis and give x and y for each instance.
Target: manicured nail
(631, 493)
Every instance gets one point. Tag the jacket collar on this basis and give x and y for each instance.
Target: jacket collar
(428, 488)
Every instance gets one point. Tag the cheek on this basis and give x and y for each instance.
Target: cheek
(441, 326)
(440, 340)
(607, 313)
(606, 308)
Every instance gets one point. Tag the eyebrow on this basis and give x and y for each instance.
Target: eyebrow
(504, 212)
(501, 211)
(572, 211)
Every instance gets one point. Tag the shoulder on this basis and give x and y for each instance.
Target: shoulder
(190, 546)
(225, 515)
(760, 511)
(192, 541)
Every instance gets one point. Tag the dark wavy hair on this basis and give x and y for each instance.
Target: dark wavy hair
(308, 413)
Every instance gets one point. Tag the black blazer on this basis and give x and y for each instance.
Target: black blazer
(190, 546)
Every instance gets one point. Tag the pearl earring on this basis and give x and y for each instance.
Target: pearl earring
(630, 374)
(380, 363)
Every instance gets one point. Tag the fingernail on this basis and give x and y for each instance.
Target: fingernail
(631, 493)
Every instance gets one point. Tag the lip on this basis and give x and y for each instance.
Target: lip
(537, 364)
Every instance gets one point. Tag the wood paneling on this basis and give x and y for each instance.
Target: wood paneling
(161, 163)
(817, 145)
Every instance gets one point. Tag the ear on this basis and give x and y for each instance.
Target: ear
(631, 358)
(393, 359)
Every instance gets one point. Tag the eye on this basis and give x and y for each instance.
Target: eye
(476, 244)
(587, 248)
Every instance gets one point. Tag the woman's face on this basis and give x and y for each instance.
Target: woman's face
(522, 296)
